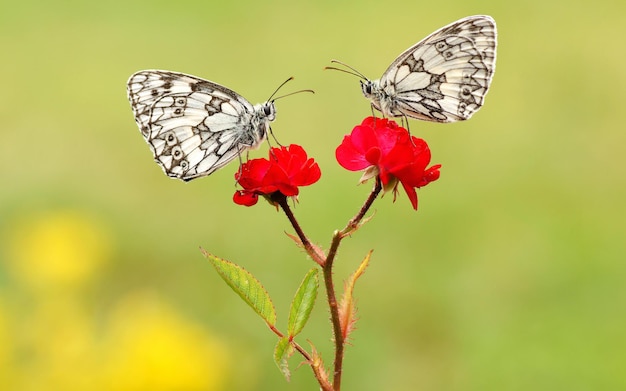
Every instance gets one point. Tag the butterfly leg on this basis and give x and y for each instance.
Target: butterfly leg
(372, 108)
(239, 172)
(274, 137)
(405, 124)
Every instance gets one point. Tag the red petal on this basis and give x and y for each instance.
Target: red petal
(363, 137)
(245, 198)
(309, 174)
(288, 189)
(373, 156)
(252, 173)
(349, 157)
(431, 175)
(291, 168)
(410, 191)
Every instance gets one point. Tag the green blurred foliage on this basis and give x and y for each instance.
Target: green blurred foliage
(510, 276)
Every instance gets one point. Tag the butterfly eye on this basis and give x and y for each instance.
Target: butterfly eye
(367, 88)
(270, 111)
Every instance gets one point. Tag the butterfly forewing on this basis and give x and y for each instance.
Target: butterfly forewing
(444, 77)
(193, 126)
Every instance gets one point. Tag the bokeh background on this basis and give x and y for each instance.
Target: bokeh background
(509, 277)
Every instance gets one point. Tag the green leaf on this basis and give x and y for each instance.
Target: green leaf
(282, 352)
(303, 303)
(246, 286)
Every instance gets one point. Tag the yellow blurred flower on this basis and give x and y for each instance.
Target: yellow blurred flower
(60, 340)
(149, 346)
(54, 343)
(6, 349)
(57, 248)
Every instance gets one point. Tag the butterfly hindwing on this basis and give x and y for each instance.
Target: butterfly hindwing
(193, 126)
(444, 77)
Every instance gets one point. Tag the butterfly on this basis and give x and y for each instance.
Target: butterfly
(442, 78)
(194, 126)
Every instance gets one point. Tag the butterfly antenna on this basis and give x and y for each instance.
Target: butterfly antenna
(279, 87)
(293, 93)
(350, 70)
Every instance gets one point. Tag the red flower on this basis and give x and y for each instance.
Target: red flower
(382, 148)
(286, 169)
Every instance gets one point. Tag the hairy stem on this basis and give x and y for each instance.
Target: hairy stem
(327, 266)
(352, 225)
(336, 322)
(321, 378)
(293, 343)
(313, 252)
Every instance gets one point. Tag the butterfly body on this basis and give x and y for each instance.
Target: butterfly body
(443, 78)
(194, 126)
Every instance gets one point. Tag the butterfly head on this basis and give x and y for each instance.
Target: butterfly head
(268, 110)
(380, 99)
(368, 87)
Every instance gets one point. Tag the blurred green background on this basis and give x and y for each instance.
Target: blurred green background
(509, 277)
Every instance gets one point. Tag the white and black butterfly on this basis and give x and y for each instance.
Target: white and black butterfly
(193, 126)
(442, 78)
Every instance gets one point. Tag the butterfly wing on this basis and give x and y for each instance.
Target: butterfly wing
(444, 77)
(193, 126)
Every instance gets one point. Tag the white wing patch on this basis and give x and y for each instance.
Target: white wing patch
(194, 126)
(443, 78)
